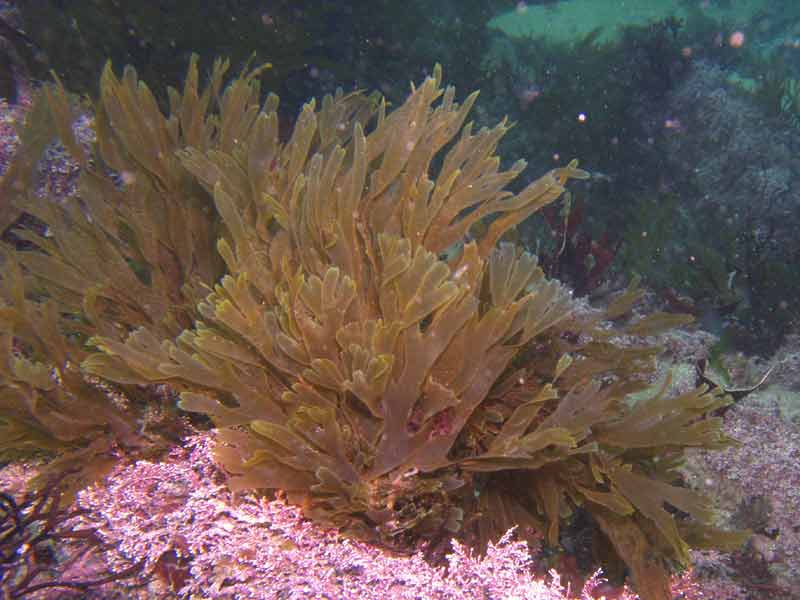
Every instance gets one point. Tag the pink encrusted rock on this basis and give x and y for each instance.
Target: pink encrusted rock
(197, 541)
(179, 518)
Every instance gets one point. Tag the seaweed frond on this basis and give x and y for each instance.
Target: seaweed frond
(342, 307)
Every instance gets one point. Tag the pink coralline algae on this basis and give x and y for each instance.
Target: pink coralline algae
(198, 541)
(175, 521)
(195, 540)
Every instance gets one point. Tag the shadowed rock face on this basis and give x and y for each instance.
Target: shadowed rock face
(313, 46)
(8, 87)
(17, 53)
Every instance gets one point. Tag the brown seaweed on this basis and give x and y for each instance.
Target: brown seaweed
(321, 301)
